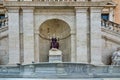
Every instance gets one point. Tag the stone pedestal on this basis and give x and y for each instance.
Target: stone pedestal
(55, 55)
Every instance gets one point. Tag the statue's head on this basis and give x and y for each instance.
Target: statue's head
(54, 39)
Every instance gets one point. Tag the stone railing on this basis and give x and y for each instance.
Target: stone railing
(110, 25)
(4, 22)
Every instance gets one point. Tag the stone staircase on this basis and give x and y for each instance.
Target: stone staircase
(110, 30)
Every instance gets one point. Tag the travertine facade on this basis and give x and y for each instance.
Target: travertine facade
(77, 25)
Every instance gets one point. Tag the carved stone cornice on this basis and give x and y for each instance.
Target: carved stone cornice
(13, 9)
(28, 9)
(81, 9)
(56, 4)
(96, 9)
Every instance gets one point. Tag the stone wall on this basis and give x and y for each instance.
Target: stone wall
(4, 50)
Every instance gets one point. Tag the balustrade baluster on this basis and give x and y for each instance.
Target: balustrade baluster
(3, 22)
(118, 28)
(111, 26)
(104, 23)
(0, 24)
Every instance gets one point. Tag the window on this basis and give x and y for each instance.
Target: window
(1, 17)
(105, 16)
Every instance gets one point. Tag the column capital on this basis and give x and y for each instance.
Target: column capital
(13, 9)
(81, 9)
(36, 32)
(96, 9)
(28, 9)
(72, 32)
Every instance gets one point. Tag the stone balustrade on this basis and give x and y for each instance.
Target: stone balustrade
(110, 25)
(3, 22)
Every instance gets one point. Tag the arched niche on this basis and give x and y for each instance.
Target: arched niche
(54, 28)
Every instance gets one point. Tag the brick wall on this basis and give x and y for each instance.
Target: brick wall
(117, 11)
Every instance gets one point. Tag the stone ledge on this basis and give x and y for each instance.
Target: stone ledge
(59, 79)
(55, 4)
(59, 70)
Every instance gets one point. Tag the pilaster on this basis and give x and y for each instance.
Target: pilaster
(14, 43)
(81, 34)
(28, 33)
(96, 41)
(37, 54)
(73, 51)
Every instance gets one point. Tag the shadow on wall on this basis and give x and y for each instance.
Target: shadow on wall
(3, 57)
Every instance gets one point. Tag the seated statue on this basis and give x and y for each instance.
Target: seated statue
(54, 44)
(116, 57)
(55, 55)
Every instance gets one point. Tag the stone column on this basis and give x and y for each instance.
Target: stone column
(73, 53)
(14, 43)
(96, 40)
(81, 34)
(28, 33)
(37, 54)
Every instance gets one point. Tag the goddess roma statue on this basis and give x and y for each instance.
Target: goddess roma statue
(54, 44)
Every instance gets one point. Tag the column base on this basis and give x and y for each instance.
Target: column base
(96, 63)
(24, 63)
(13, 64)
